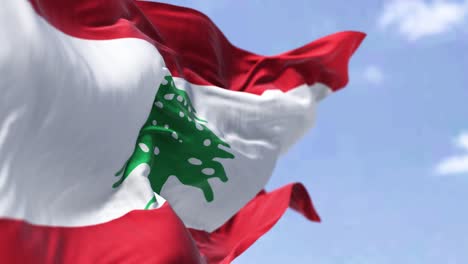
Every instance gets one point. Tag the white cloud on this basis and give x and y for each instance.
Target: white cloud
(420, 18)
(457, 164)
(462, 141)
(373, 74)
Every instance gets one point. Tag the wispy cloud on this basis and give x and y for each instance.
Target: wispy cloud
(456, 164)
(373, 74)
(420, 18)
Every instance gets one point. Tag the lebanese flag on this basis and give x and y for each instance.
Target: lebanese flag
(135, 132)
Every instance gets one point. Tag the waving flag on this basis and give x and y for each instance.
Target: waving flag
(111, 108)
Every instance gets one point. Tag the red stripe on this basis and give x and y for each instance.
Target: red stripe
(195, 49)
(153, 236)
(252, 221)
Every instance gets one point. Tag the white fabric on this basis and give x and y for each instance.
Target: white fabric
(259, 129)
(70, 112)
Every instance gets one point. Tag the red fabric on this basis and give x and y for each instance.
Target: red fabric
(195, 49)
(204, 56)
(152, 236)
(251, 222)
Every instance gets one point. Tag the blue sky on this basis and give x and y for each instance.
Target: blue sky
(387, 162)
